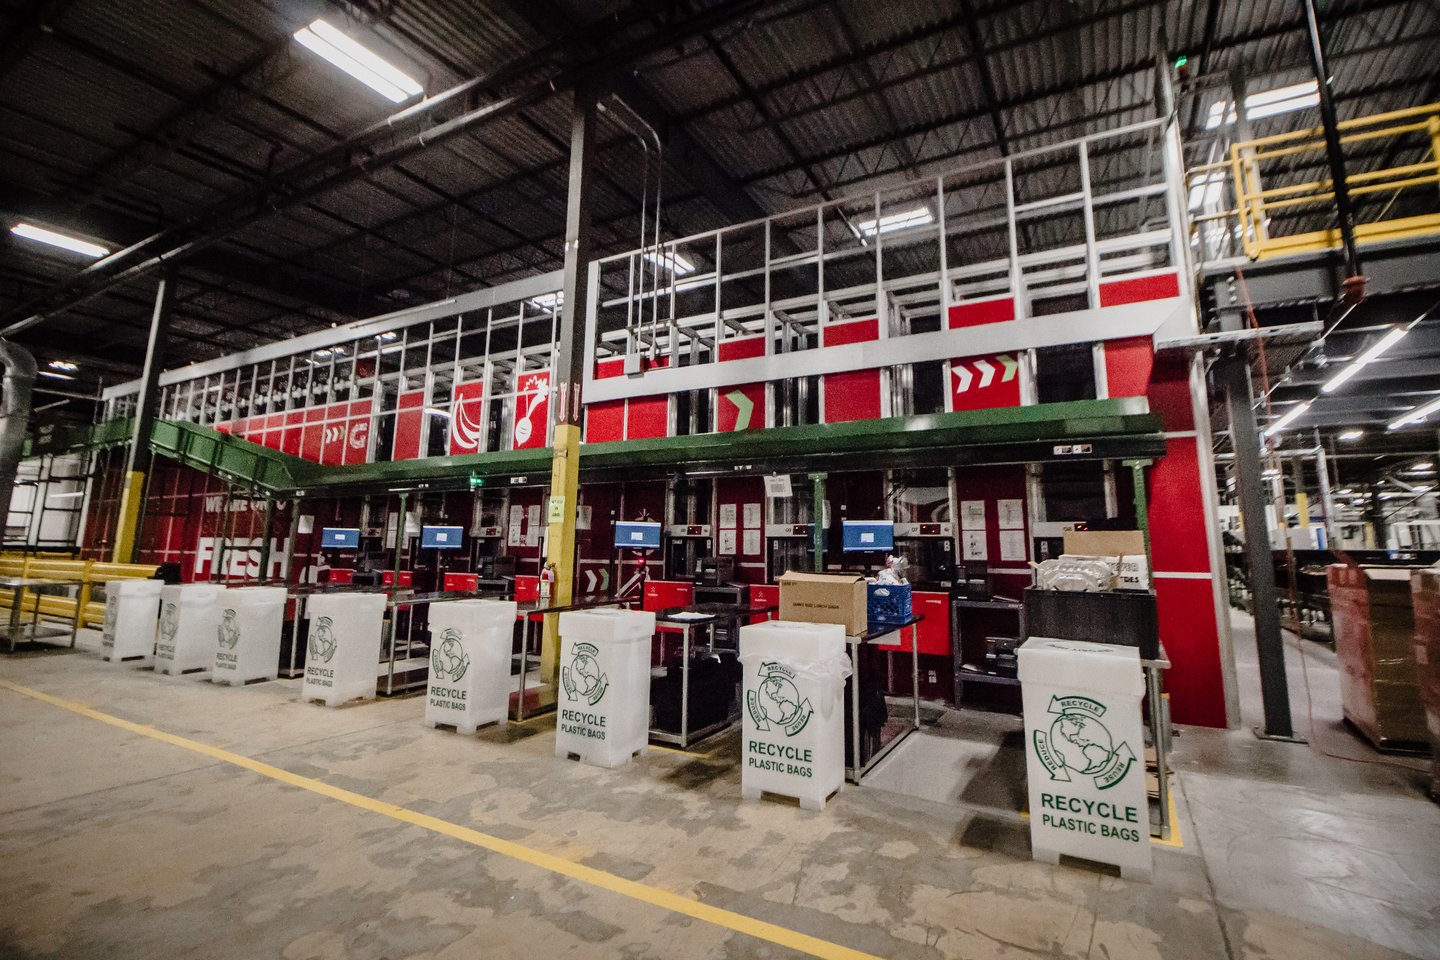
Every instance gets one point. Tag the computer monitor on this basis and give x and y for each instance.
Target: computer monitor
(860, 536)
(442, 538)
(340, 538)
(634, 535)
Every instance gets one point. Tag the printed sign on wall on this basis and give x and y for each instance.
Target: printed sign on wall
(532, 411)
(409, 426)
(467, 412)
(985, 382)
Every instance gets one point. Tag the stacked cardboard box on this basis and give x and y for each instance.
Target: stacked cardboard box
(1425, 592)
(1374, 621)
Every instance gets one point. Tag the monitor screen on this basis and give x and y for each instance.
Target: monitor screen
(637, 536)
(859, 536)
(442, 538)
(340, 538)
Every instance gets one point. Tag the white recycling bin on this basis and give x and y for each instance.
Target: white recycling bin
(248, 634)
(470, 649)
(189, 621)
(342, 649)
(604, 700)
(1084, 750)
(793, 740)
(132, 613)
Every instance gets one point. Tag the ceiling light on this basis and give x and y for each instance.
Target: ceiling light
(54, 376)
(1349, 435)
(387, 337)
(74, 244)
(671, 260)
(1426, 467)
(1290, 417)
(1375, 349)
(1266, 103)
(1269, 474)
(1416, 415)
(64, 366)
(436, 412)
(363, 64)
(551, 301)
(896, 221)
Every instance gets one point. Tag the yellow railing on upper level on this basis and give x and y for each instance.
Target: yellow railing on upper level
(1251, 162)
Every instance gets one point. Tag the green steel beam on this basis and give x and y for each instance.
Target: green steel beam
(1090, 429)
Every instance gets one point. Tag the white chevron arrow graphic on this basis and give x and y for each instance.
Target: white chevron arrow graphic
(965, 376)
(744, 407)
(1010, 364)
(987, 372)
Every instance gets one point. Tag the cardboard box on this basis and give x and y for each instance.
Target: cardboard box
(825, 598)
(1375, 647)
(1128, 545)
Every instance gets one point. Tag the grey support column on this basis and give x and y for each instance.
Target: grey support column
(1234, 373)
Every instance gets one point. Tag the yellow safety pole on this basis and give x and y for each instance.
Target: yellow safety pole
(127, 520)
(137, 460)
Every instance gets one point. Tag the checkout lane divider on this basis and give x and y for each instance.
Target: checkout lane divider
(654, 896)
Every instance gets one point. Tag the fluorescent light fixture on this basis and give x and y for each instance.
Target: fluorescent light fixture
(66, 496)
(363, 64)
(1290, 417)
(64, 241)
(1269, 474)
(673, 261)
(54, 376)
(551, 301)
(1356, 365)
(436, 412)
(1426, 467)
(896, 221)
(1266, 103)
(1417, 415)
(1206, 191)
(387, 337)
(1350, 435)
(64, 366)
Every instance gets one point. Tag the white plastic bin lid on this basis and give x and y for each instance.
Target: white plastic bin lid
(482, 613)
(253, 596)
(346, 604)
(793, 640)
(134, 588)
(607, 623)
(187, 593)
(1101, 667)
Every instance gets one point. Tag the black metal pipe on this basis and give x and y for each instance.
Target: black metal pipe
(1344, 210)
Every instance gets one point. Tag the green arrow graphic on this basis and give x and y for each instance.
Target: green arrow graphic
(744, 407)
(1010, 364)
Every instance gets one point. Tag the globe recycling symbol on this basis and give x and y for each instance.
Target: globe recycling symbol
(169, 623)
(448, 660)
(776, 700)
(322, 644)
(582, 677)
(229, 630)
(1077, 742)
(112, 610)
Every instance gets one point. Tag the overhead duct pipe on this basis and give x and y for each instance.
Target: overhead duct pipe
(19, 378)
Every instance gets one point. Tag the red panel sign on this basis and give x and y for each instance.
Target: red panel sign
(985, 382)
(855, 394)
(605, 422)
(467, 424)
(995, 310)
(1161, 286)
(531, 416)
(740, 407)
(409, 425)
(1127, 366)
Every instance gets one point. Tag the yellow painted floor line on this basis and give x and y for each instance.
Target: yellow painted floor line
(655, 896)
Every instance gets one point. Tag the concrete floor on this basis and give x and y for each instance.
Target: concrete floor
(117, 844)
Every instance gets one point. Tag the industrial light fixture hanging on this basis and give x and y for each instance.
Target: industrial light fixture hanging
(1293, 414)
(1359, 363)
(1416, 415)
(360, 62)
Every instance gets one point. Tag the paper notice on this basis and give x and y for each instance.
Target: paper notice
(752, 543)
(727, 543)
(1012, 545)
(727, 516)
(1012, 514)
(974, 543)
(972, 514)
(752, 516)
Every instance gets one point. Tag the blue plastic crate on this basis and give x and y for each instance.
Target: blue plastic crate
(889, 602)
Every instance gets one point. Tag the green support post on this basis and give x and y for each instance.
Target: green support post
(268, 522)
(817, 528)
(1142, 503)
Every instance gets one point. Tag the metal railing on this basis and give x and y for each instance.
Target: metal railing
(1273, 217)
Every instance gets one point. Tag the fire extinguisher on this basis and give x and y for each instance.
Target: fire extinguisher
(547, 577)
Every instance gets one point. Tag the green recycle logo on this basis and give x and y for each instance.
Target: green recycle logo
(229, 630)
(169, 622)
(582, 677)
(448, 660)
(322, 644)
(777, 701)
(1079, 743)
